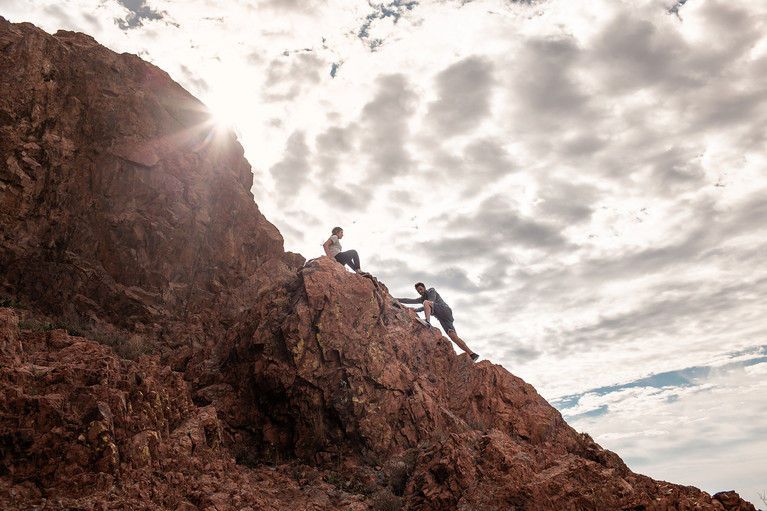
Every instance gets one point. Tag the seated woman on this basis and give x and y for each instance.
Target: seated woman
(333, 249)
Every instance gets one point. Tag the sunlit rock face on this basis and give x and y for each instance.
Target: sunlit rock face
(160, 350)
(117, 188)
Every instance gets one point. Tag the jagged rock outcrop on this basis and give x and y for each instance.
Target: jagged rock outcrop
(253, 382)
(117, 188)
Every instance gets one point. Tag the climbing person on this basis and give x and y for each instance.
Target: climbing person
(434, 305)
(333, 249)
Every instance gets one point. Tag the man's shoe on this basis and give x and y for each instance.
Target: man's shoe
(474, 357)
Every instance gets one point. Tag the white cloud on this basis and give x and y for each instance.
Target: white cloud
(384, 128)
(709, 434)
(583, 181)
(292, 171)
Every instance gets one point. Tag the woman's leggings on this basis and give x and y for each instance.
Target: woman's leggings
(349, 257)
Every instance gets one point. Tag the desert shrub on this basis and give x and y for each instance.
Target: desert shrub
(244, 455)
(385, 500)
(10, 303)
(124, 344)
(305, 475)
(343, 482)
(71, 323)
(400, 470)
(478, 423)
(399, 475)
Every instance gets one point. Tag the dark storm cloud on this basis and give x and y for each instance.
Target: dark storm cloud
(400, 198)
(567, 203)
(60, 15)
(544, 88)
(292, 171)
(674, 301)
(481, 163)
(401, 275)
(590, 273)
(710, 89)
(673, 172)
(488, 239)
(191, 77)
(701, 305)
(728, 108)
(286, 227)
(291, 6)
(487, 158)
(691, 248)
(333, 145)
(290, 74)
(296, 223)
(384, 124)
(496, 224)
(747, 218)
(464, 90)
(736, 29)
(584, 145)
(699, 245)
(633, 54)
(518, 354)
(138, 12)
(346, 197)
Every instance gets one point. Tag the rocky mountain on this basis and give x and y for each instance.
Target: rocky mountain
(160, 350)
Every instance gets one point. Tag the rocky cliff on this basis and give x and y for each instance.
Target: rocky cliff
(160, 350)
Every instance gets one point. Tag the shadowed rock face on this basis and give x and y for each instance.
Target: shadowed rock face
(267, 384)
(121, 199)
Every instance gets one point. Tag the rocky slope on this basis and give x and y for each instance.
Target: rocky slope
(160, 350)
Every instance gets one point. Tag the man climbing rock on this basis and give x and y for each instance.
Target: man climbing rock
(434, 305)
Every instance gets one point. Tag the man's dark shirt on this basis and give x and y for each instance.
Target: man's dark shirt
(441, 308)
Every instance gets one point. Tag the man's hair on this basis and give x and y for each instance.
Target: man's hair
(336, 230)
(420, 284)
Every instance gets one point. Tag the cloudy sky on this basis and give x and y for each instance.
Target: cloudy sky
(582, 180)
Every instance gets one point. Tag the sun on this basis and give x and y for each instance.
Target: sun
(224, 98)
(223, 109)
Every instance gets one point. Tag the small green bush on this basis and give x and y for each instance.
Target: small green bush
(11, 303)
(124, 344)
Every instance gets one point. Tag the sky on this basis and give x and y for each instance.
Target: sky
(583, 181)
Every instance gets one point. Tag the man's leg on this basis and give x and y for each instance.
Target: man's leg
(459, 341)
(427, 309)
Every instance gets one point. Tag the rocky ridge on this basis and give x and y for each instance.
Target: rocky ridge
(160, 350)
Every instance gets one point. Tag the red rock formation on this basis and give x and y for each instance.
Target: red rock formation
(269, 385)
(119, 188)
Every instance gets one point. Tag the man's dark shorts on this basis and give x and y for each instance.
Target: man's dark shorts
(445, 317)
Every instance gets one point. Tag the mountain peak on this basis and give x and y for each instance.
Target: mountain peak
(159, 348)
